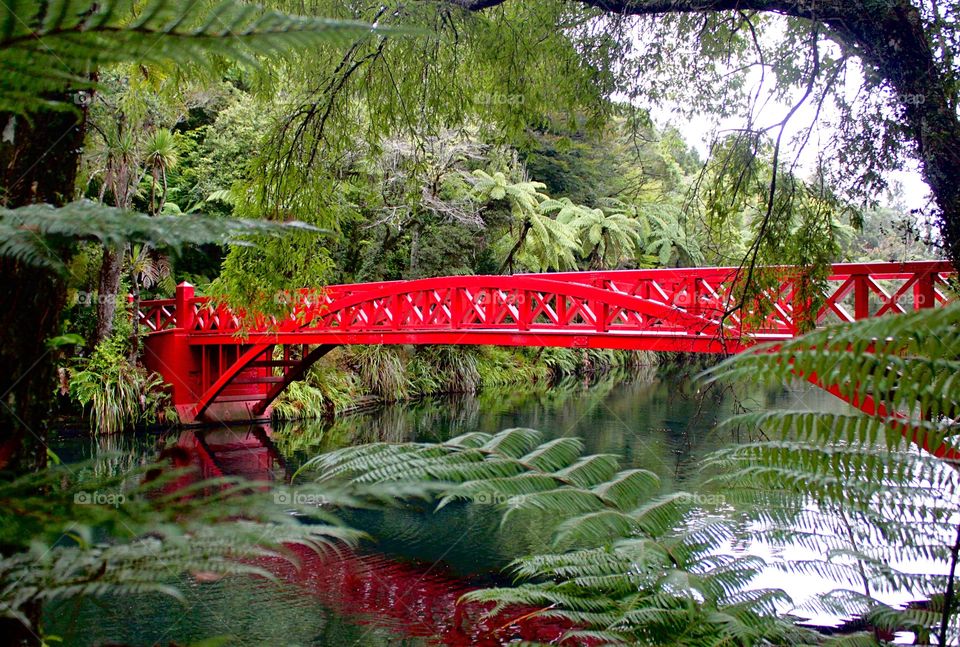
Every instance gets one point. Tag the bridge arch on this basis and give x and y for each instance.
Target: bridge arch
(499, 310)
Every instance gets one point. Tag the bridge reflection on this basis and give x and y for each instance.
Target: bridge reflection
(415, 599)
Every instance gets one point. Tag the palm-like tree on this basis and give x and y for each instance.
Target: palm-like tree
(160, 157)
(606, 236)
(522, 196)
(543, 243)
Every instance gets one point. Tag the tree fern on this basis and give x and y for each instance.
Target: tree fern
(853, 487)
(606, 238)
(48, 47)
(631, 564)
(543, 243)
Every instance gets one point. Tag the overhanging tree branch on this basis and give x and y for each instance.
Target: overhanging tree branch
(892, 40)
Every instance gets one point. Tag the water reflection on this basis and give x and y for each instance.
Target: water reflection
(403, 587)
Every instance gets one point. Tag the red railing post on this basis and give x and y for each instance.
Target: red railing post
(861, 297)
(456, 308)
(561, 310)
(184, 314)
(694, 308)
(601, 310)
(397, 315)
(924, 295)
(524, 309)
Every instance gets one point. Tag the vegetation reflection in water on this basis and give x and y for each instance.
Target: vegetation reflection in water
(661, 422)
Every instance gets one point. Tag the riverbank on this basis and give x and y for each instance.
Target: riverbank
(354, 378)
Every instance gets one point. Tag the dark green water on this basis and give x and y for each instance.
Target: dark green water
(400, 590)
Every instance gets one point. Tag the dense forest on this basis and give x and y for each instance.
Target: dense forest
(561, 197)
(253, 151)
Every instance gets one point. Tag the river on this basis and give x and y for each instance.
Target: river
(403, 588)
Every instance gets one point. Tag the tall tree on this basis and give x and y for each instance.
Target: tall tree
(907, 49)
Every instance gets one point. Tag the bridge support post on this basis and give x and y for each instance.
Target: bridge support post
(170, 354)
(861, 297)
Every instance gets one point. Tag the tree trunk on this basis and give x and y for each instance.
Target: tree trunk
(135, 337)
(107, 291)
(897, 45)
(508, 261)
(414, 249)
(38, 163)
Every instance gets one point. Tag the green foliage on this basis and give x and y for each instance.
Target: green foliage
(609, 238)
(543, 242)
(636, 567)
(461, 79)
(251, 280)
(326, 389)
(49, 47)
(37, 234)
(670, 241)
(887, 234)
(446, 369)
(119, 393)
(381, 370)
(498, 366)
(850, 485)
(523, 197)
(68, 531)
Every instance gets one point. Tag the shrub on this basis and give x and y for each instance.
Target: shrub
(118, 392)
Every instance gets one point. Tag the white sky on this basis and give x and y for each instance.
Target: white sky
(702, 129)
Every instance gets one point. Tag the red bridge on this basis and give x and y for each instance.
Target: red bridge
(220, 369)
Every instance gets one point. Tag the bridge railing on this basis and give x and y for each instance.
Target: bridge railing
(852, 292)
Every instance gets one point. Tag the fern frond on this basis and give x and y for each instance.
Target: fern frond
(511, 471)
(850, 486)
(48, 47)
(34, 234)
